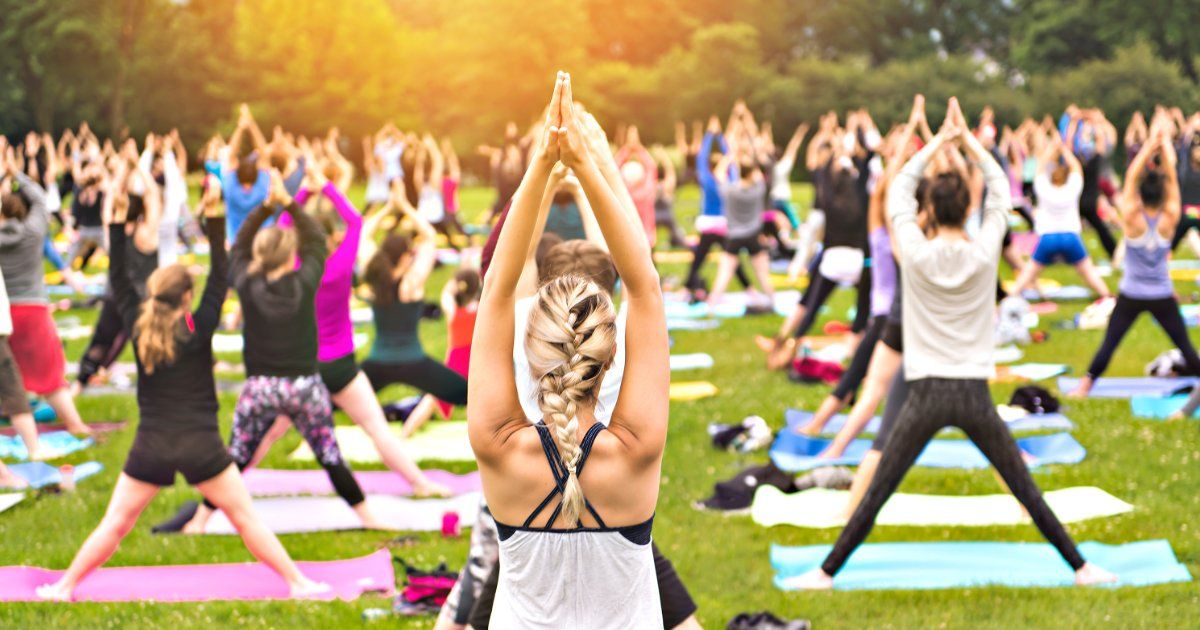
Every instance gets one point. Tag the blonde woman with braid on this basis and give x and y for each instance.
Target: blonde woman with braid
(574, 543)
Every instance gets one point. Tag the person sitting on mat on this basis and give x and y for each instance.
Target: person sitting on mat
(547, 579)
(177, 401)
(949, 282)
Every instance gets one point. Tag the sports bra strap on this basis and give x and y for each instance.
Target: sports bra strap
(559, 469)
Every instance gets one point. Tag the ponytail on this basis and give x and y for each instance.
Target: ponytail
(157, 325)
(570, 342)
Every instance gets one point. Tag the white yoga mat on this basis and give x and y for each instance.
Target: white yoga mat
(293, 515)
(443, 441)
(9, 499)
(820, 508)
(698, 361)
(230, 342)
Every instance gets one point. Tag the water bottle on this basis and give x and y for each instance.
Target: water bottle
(451, 527)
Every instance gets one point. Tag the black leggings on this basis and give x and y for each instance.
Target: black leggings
(896, 396)
(108, 340)
(707, 241)
(426, 375)
(935, 403)
(1186, 222)
(1090, 214)
(818, 293)
(1125, 312)
(857, 371)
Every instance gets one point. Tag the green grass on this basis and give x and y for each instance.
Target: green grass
(723, 560)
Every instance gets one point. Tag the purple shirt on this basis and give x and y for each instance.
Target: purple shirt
(335, 332)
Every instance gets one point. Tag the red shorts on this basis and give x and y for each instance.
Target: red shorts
(37, 348)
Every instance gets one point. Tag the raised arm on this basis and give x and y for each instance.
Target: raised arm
(639, 420)
(208, 315)
(437, 163)
(128, 302)
(412, 286)
(668, 165)
(493, 410)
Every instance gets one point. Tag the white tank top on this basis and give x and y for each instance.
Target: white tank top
(597, 577)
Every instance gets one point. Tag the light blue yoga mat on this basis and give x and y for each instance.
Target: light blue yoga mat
(700, 310)
(1038, 371)
(53, 444)
(1128, 387)
(1064, 293)
(677, 323)
(1158, 407)
(1032, 422)
(40, 474)
(792, 452)
(929, 565)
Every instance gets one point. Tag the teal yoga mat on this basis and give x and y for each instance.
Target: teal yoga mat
(53, 445)
(1158, 407)
(1128, 387)
(792, 452)
(930, 565)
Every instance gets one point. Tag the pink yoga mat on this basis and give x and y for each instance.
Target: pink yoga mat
(266, 482)
(96, 427)
(1025, 242)
(204, 582)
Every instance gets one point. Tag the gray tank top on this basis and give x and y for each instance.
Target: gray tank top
(1146, 270)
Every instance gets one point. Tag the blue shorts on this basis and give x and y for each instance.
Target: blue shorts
(1066, 246)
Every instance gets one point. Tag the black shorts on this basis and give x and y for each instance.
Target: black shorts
(893, 335)
(677, 603)
(198, 455)
(13, 400)
(749, 244)
(338, 373)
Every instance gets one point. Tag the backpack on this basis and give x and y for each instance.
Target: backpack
(1034, 399)
(425, 590)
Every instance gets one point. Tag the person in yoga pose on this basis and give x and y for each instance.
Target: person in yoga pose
(1091, 142)
(664, 200)
(177, 401)
(460, 305)
(144, 218)
(349, 388)
(744, 198)
(1058, 186)
(280, 336)
(570, 339)
(1149, 209)
(950, 281)
(397, 273)
(641, 179)
(14, 403)
(36, 348)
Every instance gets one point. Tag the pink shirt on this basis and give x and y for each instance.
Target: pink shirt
(335, 331)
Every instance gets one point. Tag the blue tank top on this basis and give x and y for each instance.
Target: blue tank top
(1146, 270)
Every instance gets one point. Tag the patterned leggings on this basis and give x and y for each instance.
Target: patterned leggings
(305, 401)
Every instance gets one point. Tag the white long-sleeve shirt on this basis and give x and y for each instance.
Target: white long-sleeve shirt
(949, 284)
(174, 204)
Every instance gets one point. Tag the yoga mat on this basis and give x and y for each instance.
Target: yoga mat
(677, 323)
(1128, 387)
(1158, 407)
(821, 508)
(348, 580)
(9, 499)
(698, 361)
(927, 565)
(444, 441)
(1066, 293)
(792, 452)
(692, 390)
(295, 515)
(266, 482)
(1028, 422)
(41, 474)
(229, 342)
(1028, 372)
(700, 310)
(74, 332)
(41, 413)
(53, 445)
(1007, 354)
(96, 427)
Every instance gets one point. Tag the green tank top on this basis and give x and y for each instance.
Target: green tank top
(396, 338)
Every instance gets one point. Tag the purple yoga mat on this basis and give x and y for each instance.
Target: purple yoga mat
(266, 482)
(204, 582)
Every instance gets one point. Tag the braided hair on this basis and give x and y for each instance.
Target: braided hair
(570, 342)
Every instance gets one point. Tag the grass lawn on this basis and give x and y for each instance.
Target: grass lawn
(723, 560)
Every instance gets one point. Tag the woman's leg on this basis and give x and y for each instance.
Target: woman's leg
(64, 407)
(761, 263)
(883, 377)
(1087, 270)
(1124, 313)
(699, 255)
(1107, 241)
(1028, 277)
(228, 493)
(359, 402)
(830, 406)
(105, 337)
(129, 498)
(725, 270)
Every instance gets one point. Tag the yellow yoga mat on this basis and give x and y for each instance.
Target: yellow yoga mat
(1044, 284)
(1185, 275)
(692, 390)
(443, 441)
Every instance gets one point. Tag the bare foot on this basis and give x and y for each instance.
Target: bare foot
(811, 430)
(766, 344)
(370, 522)
(426, 488)
(782, 355)
(1178, 415)
(814, 580)
(56, 592)
(36, 455)
(79, 428)
(1083, 389)
(1090, 574)
(305, 588)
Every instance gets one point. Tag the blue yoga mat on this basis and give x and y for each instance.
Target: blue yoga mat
(41, 413)
(54, 444)
(928, 565)
(699, 310)
(40, 474)
(792, 452)
(1158, 407)
(1032, 422)
(1121, 387)
(677, 323)
(1064, 293)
